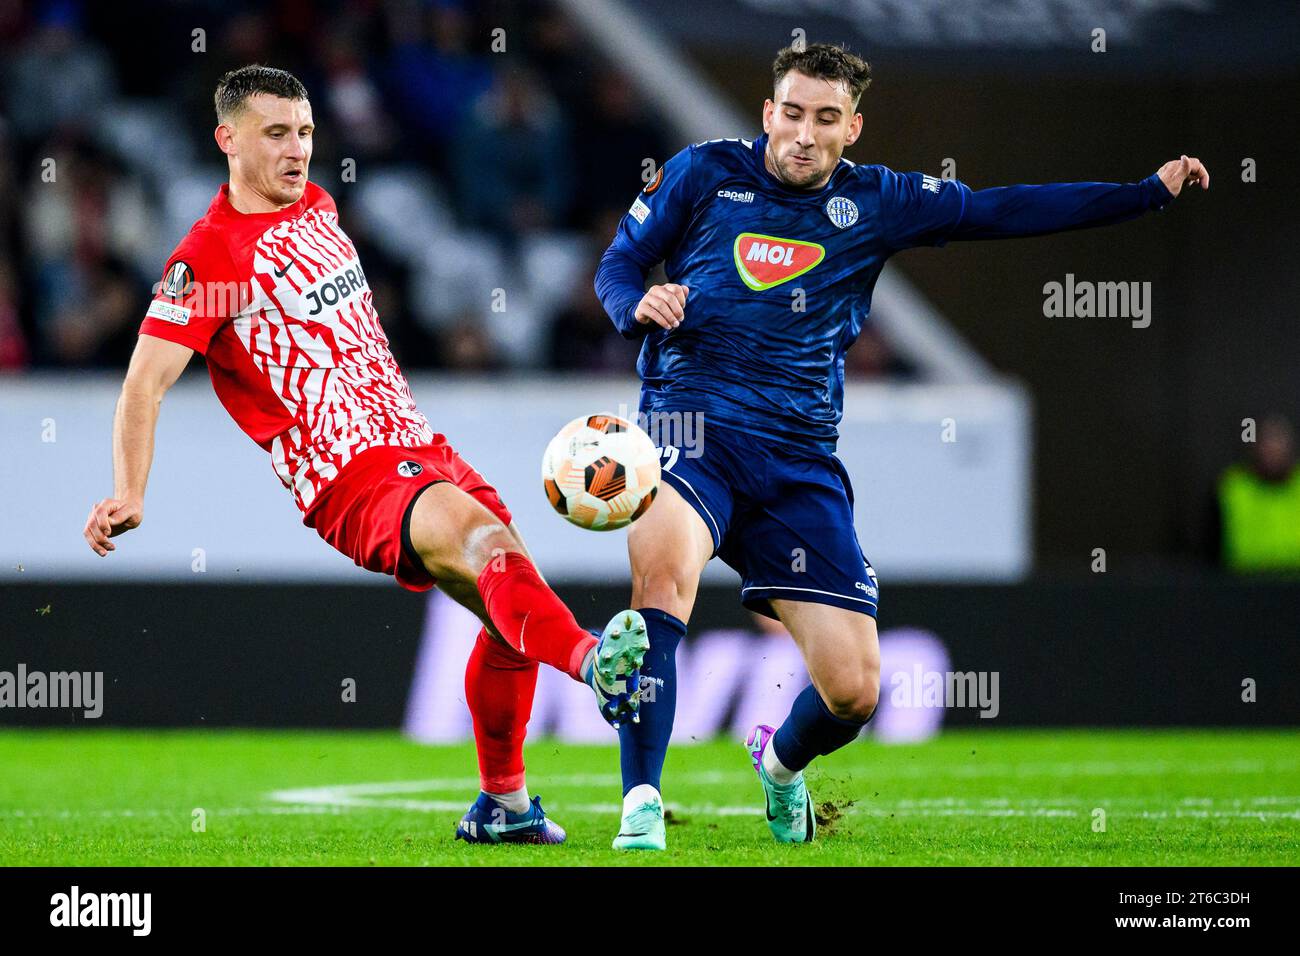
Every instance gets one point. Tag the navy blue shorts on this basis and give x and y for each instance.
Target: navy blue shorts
(781, 515)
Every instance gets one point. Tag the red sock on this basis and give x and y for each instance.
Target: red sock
(499, 685)
(528, 614)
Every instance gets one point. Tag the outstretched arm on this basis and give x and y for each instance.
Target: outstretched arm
(155, 366)
(1009, 211)
(918, 210)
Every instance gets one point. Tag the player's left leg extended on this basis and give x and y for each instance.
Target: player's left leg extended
(423, 515)
(800, 561)
(483, 565)
(461, 543)
(842, 652)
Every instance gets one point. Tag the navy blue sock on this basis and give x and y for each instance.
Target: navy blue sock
(643, 745)
(812, 730)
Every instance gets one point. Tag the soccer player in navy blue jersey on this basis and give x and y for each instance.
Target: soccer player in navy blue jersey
(771, 249)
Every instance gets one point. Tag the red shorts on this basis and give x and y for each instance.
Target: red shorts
(365, 511)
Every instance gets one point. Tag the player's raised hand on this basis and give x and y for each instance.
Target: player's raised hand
(664, 305)
(108, 519)
(1178, 172)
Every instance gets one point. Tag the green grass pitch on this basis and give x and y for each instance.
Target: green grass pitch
(363, 798)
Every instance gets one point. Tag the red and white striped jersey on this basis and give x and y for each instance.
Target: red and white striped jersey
(279, 305)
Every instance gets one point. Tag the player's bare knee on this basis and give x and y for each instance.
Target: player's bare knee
(853, 695)
(667, 588)
(855, 707)
(487, 544)
(456, 537)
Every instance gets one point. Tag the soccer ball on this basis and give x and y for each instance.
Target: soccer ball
(601, 472)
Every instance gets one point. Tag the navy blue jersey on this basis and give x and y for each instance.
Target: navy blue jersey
(781, 279)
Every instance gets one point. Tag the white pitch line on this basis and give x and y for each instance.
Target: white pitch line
(357, 794)
(379, 796)
(391, 795)
(1143, 768)
(1029, 809)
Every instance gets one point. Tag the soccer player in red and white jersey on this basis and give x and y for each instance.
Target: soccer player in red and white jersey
(268, 287)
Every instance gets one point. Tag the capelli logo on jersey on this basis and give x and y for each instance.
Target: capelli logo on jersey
(735, 196)
(336, 288)
(767, 261)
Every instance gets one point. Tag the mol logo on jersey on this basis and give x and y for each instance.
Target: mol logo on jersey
(766, 261)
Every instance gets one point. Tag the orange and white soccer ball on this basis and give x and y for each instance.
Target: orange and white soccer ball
(601, 472)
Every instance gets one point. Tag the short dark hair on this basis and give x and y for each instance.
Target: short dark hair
(824, 61)
(238, 85)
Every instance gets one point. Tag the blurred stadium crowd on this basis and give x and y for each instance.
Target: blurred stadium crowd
(479, 186)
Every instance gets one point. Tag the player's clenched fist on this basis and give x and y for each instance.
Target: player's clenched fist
(108, 519)
(1186, 169)
(665, 305)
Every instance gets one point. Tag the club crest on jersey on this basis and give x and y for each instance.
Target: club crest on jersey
(177, 281)
(766, 261)
(409, 469)
(842, 211)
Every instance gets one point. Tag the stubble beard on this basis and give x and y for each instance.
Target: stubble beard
(787, 175)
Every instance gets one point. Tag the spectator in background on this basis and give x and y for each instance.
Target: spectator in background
(354, 101)
(559, 51)
(513, 167)
(14, 354)
(433, 74)
(1257, 513)
(94, 320)
(616, 149)
(871, 357)
(466, 346)
(83, 230)
(583, 337)
(244, 36)
(58, 80)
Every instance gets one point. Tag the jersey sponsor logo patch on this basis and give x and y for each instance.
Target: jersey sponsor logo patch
(335, 289)
(766, 261)
(654, 183)
(409, 469)
(842, 211)
(930, 183)
(639, 211)
(735, 196)
(176, 314)
(177, 280)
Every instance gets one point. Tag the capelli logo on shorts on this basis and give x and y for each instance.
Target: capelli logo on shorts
(409, 469)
